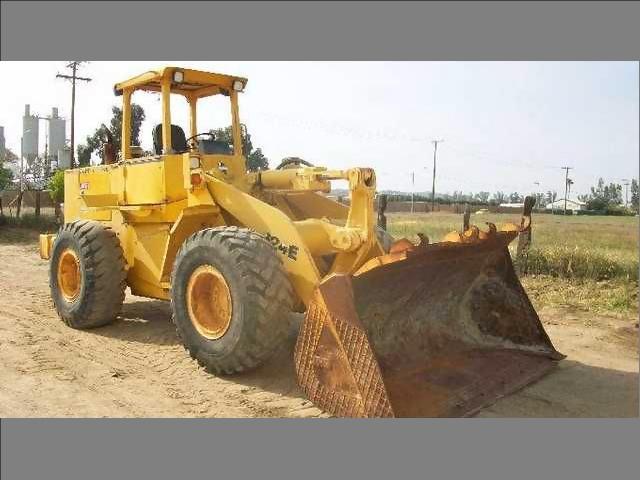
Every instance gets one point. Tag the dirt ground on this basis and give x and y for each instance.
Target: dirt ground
(137, 368)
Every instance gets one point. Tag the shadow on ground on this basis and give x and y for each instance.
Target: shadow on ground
(149, 322)
(143, 321)
(572, 389)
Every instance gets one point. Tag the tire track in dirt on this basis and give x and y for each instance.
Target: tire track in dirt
(141, 348)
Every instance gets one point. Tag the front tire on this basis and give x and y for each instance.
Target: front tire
(87, 274)
(231, 299)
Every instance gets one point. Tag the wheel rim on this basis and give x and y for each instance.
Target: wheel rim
(209, 302)
(69, 279)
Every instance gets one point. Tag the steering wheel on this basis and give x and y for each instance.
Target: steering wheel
(286, 162)
(191, 140)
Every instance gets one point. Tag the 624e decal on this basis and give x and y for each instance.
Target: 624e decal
(291, 251)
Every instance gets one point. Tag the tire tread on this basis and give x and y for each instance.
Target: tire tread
(104, 275)
(268, 298)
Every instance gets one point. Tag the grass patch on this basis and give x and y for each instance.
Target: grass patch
(42, 224)
(26, 228)
(577, 247)
(608, 296)
(584, 262)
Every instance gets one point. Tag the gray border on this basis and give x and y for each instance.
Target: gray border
(350, 449)
(316, 30)
(457, 449)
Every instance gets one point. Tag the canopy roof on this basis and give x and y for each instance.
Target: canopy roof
(195, 82)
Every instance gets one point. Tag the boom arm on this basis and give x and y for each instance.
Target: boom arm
(299, 242)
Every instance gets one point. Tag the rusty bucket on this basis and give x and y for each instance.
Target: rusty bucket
(437, 331)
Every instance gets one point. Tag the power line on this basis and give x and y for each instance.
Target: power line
(433, 184)
(491, 158)
(74, 67)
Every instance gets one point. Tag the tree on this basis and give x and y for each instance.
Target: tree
(56, 186)
(635, 195)
(515, 197)
(499, 197)
(604, 196)
(94, 143)
(137, 117)
(483, 197)
(257, 161)
(9, 156)
(6, 177)
(552, 195)
(613, 194)
(569, 183)
(255, 158)
(84, 153)
(540, 200)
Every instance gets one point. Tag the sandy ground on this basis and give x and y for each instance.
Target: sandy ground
(137, 367)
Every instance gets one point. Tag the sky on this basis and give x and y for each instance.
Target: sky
(506, 126)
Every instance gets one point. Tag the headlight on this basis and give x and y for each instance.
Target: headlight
(238, 85)
(194, 162)
(178, 76)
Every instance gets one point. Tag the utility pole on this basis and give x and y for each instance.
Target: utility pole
(626, 191)
(47, 164)
(74, 67)
(22, 161)
(19, 206)
(433, 185)
(566, 186)
(413, 188)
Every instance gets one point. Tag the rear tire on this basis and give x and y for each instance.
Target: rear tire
(239, 314)
(87, 274)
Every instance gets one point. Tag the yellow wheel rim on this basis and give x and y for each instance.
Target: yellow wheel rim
(69, 279)
(209, 302)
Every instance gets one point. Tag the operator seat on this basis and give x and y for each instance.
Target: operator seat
(178, 139)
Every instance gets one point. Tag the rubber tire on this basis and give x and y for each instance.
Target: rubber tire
(102, 271)
(261, 295)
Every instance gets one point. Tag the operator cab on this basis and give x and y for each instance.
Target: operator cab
(193, 85)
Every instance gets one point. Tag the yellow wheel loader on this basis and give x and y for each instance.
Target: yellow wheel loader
(391, 329)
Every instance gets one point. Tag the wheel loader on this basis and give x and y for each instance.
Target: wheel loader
(391, 328)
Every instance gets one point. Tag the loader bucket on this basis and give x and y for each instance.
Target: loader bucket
(441, 330)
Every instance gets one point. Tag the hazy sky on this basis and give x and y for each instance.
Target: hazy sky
(506, 125)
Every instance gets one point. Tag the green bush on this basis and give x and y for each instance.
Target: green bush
(618, 210)
(6, 176)
(582, 263)
(56, 186)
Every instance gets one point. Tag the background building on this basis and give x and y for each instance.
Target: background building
(30, 135)
(57, 134)
(573, 205)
